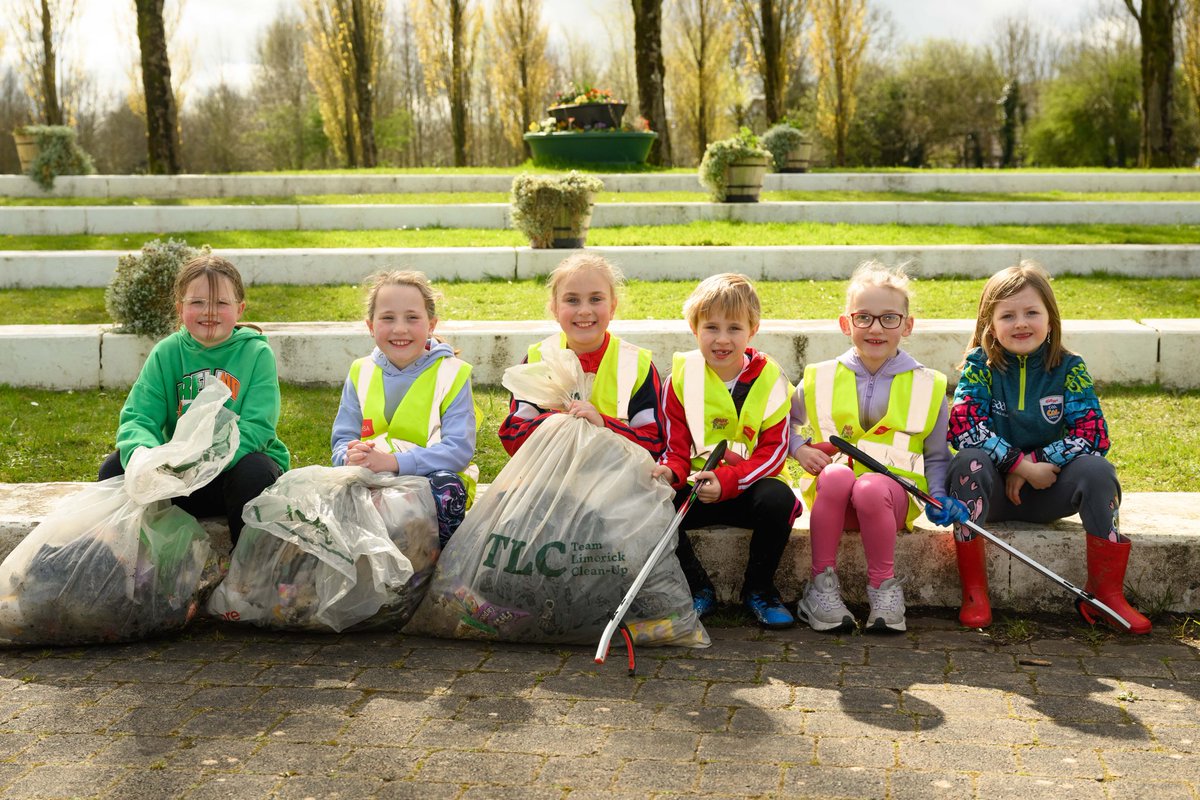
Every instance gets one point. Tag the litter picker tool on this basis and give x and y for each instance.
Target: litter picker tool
(1082, 595)
(617, 619)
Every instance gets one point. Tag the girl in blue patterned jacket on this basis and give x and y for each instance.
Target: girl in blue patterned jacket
(1031, 440)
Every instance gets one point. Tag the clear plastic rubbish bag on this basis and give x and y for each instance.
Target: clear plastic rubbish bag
(332, 548)
(550, 550)
(551, 383)
(117, 561)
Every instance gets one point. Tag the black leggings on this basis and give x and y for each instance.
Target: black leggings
(1087, 485)
(768, 508)
(227, 494)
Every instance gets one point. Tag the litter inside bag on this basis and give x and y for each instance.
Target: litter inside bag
(551, 383)
(551, 549)
(117, 561)
(330, 549)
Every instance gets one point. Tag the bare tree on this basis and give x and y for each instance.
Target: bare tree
(162, 132)
(648, 52)
(42, 27)
(700, 36)
(447, 33)
(1190, 29)
(1156, 24)
(283, 99)
(773, 28)
(520, 71)
(839, 37)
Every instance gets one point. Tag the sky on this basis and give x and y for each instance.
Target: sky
(223, 33)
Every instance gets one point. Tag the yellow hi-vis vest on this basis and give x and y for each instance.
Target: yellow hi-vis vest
(710, 412)
(623, 368)
(897, 440)
(417, 420)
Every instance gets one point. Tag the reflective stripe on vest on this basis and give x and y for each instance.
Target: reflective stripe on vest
(711, 414)
(623, 368)
(897, 440)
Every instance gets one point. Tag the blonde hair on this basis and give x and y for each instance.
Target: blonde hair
(876, 274)
(576, 263)
(213, 268)
(1003, 285)
(404, 277)
(729, 294)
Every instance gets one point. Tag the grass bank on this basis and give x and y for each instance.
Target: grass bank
(1093, 297)
(63, 436)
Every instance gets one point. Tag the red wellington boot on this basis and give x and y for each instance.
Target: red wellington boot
(1106, 563)
(976, 611)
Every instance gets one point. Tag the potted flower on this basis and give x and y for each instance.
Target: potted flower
(554, 210)
(733, 169)
(47, 151)
(26, 146)
(585, 107)
(790, 149)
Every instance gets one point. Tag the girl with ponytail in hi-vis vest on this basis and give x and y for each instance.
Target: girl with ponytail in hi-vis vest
(625, 393)
(880, 399)
(408, 408)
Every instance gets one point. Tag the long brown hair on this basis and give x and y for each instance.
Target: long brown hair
(213, 268)
(1003, 285)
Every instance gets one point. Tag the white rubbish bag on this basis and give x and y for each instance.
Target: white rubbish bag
(548, 553)
(330, 549)
(117, 561)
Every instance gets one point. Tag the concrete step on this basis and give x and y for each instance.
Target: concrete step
(90, 356)
(1165, 528)
(162, 186)
(34, 268)
(72, 220)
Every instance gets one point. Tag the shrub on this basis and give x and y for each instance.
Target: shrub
(722, 153)
(537, 201)
(779, 141)
(141, 296)
(58, 154)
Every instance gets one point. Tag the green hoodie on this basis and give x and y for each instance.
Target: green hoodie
(179, 367)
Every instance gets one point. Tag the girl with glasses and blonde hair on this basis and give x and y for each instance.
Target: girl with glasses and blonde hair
(880, 399)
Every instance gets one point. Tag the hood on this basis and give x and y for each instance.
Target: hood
(901, 362)
(433, 351)
(240, 336)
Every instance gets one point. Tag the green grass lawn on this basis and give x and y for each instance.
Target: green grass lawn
(63, 436)
(1093, 297)
(453, 198)
(709, 233)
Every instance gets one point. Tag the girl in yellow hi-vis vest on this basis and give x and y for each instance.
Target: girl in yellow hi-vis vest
(407, 408)
(879, 398)
(624, 399)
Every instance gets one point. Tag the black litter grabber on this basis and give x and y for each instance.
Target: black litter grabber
(617, 619)
(1082, 595)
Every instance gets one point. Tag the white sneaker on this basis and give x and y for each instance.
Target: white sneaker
(887, 606)
(822, 607)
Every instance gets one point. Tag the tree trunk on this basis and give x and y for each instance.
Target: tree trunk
(772, 48)
(458, 99)
(363, 91)
(1156, 23)
(162, 133)
(648, 55)
(54, 115)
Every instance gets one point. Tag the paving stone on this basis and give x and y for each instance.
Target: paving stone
(1126, 667)
(855, 782)
(687, 693)
(388, 679)
(709, 670)
(837, 650)
(885, 677)
(62, 749)
(934, 784)
(492, 684)
(680, 718)
(156, 695)
(230, 725)
(418, 790)
(741, 780)
(149, 671)
(769, 720)
(1072, 683)
(748, 650)
(550, 740)
(874, 726)
(42, 718)
(392, 731)
(513, 793)
(523, 662)
(1139, 789)
(274, 653)
(288, 758)
(969, 729)
(452, 659)
(154, 722)
(504, 769)
(154, 783)
(1151, 766)
(803, 673)
(341, 787)
(665, 745)
(57, 780)
(11, 774)
(1021, 787)
(213, 755)
(512, 709)
(138, 751)
(591, 687)
(1089, 734)
(307, 700)
(1071, 762)
(749, 749)
(12, 743)
(658, 776)
(597, 773)
(831, 751)
(387, 763)
(1179, 738)
(471, 735)
(317, 677)
(223, 673)
(317, 727)
(774, 693)
(952, 700)
(235, 787)
(355, 654)
(926, 755)
(231, 698)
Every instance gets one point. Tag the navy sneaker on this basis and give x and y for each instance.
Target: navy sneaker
(769, 610)
(704, 601)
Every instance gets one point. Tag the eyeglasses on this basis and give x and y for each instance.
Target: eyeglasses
(889, 321)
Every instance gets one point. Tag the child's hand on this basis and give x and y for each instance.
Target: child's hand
(1040, 474)
(812, 460)
(710, 490)
(1012, 487)
(585, 410)
(362, 454)
(664, 472)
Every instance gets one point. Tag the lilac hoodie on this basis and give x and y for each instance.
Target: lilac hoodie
(457, 447)
(873, 393)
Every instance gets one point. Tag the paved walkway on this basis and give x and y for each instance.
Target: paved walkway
(940, 712)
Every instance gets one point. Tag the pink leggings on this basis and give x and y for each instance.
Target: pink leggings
(874, 504)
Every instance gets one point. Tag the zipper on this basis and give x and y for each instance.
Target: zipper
(1021, 401)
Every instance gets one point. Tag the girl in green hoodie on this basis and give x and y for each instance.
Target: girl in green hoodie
(210, 346)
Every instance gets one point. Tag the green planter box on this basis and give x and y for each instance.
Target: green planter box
(590, 147)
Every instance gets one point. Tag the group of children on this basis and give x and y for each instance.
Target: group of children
(1025, 421)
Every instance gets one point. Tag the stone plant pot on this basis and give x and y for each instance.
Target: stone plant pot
(571, 232)
(587, 115)
(744, 180)
(27, 149)
(798, 158)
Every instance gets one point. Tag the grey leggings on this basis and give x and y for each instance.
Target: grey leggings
(1087, 486)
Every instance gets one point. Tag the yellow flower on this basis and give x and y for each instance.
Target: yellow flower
(533, 127)
(581, 98)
